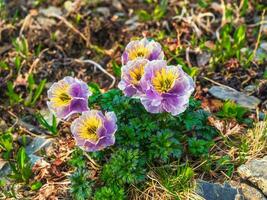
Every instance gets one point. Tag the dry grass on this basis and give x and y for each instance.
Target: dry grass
(167, 187)
(256, 140)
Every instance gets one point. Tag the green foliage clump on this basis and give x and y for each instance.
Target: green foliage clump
(198, 147)
(158, 13)
(232, 110)
(125, 167)
(163, 144)
(21, 169)
(143, 139)
(231, 47)
(6, 143)
(109, 193)
(77, 159)
(80, 185)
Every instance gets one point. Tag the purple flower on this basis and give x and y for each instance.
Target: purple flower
(144, 48)
(68, 96)
(166, 88)
(131, 75)
(94, 131)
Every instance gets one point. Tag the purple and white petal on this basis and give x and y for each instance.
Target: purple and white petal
(144, 48)
(176, 90)
(68, 96)
(82, 129)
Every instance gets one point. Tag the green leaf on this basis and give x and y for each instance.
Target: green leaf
(17, 63)
(6, 141)
(54, 125)
(144, 15)
(31, 82)
(36, 185)
(265, 74)
(38, 92)
(203, 3)
(21, 157)
(13, 96)
(3, 65)
(94, 88)
(226, 42)
(116, 69)
(240, 35)
(2, 182)
(160, 10)
(52, 128)
(244, 7)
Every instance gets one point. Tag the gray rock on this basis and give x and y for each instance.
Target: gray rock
(261, 53)
(34, 159)
(5, 170)
(255, 171)
(203, 59)
(250, 88)
(251, 193)
(50, 11)
(132, 20)
(214, 191)
(104, 11)
(240, 98)
(117, 4)
(37, 144)
(132, 23)
(46, 22)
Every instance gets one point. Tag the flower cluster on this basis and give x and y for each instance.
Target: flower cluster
(92, 131)
(145, 75)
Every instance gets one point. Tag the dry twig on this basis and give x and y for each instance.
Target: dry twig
(100, 68)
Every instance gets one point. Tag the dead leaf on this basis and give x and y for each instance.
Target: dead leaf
(2, 163)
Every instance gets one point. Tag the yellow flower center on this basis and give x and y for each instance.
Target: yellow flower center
(88, 129)
(61, 96)
(138, 52)
(137, 73)
(164, 80)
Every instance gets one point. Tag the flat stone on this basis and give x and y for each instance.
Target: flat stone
(250, 88)
(50, 11)
(5, 170)
(37, 144)
(251, 193)
(203, 59)
(214, 191)
(261, 53)
(34, 159)
(46, 22)
(117, 4)
(255, 171)
(240, 98)
(104, 11)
